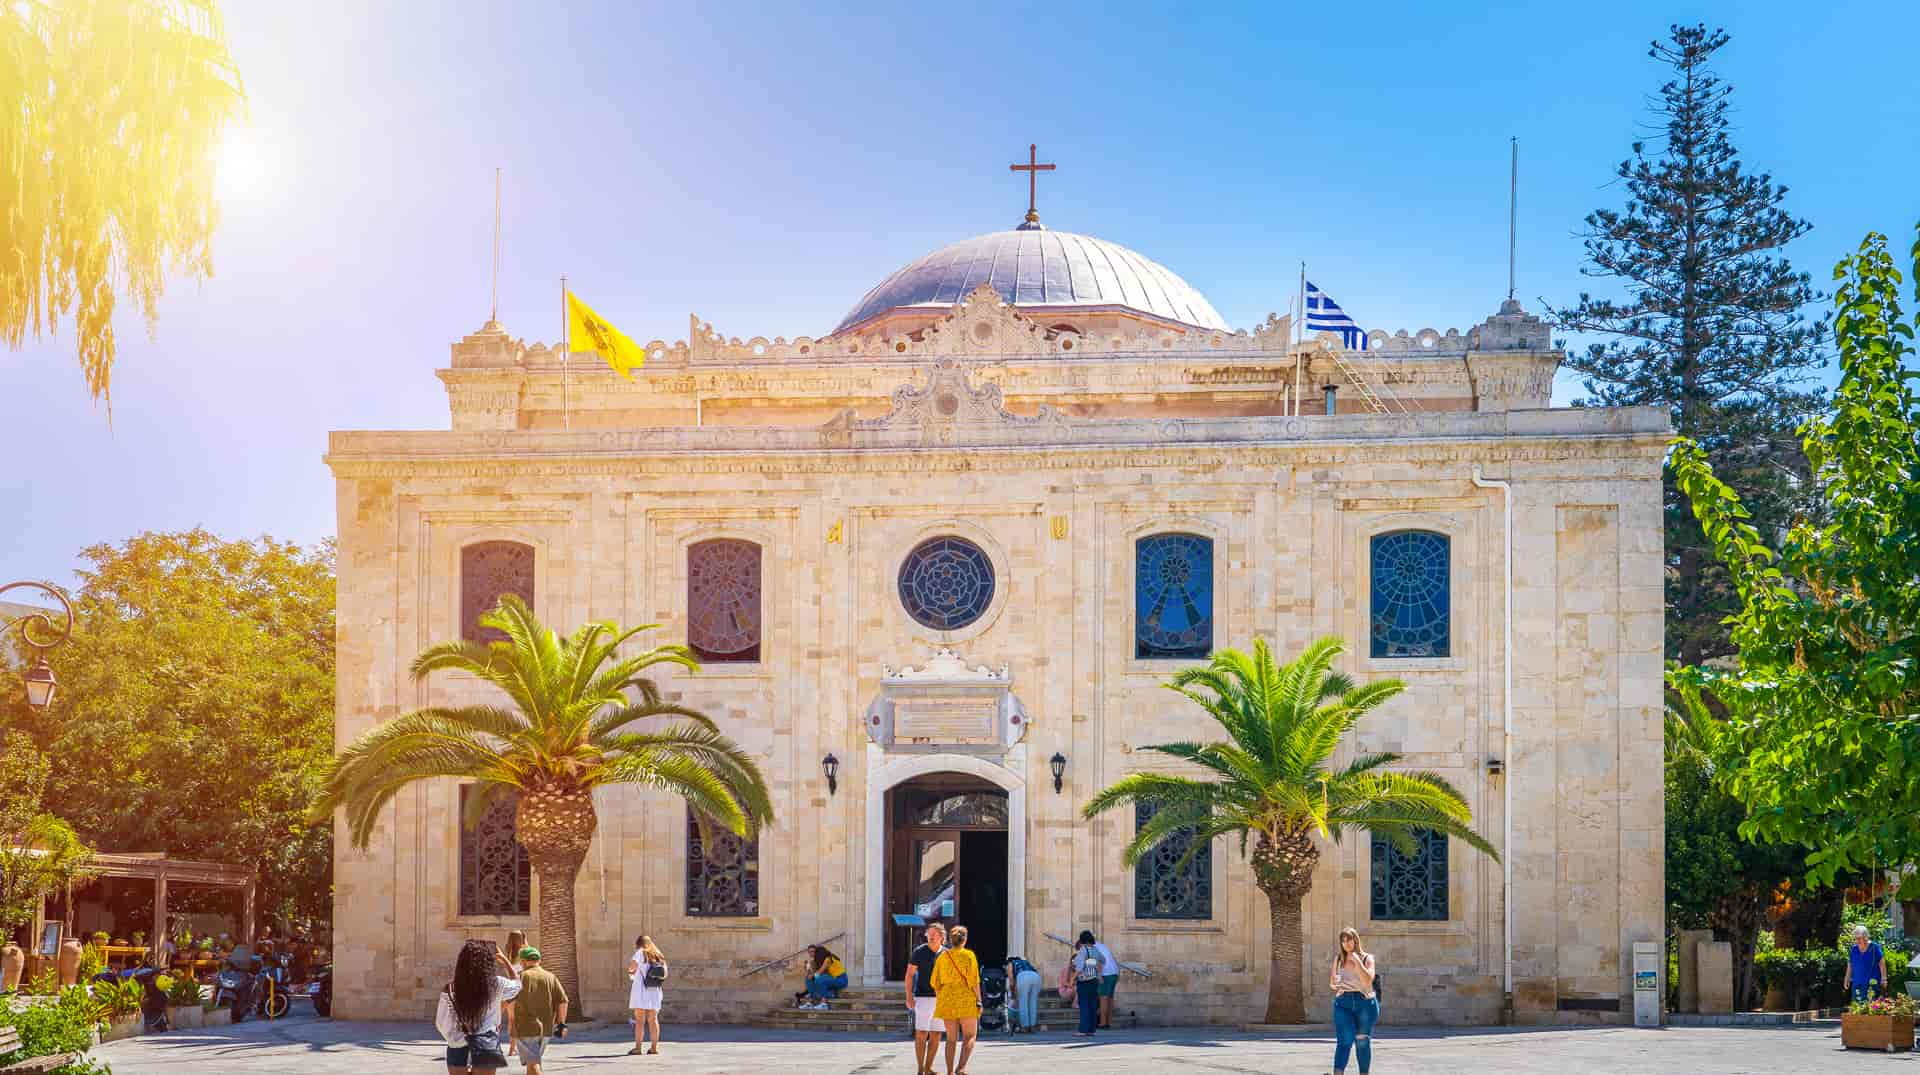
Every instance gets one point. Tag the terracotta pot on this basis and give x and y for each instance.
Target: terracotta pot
(13, 963)
(69, 962)
(1884, 1032)
(1777, 1000)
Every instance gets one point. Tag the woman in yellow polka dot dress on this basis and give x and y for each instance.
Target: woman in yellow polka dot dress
(956, 990)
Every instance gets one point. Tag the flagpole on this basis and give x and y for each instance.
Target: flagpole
(495, 316)
(1513, 214)
(566, 357)
(1299, 337)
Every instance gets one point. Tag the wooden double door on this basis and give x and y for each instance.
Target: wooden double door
(947, 862)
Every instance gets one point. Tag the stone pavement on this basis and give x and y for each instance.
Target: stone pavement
(312, 1046)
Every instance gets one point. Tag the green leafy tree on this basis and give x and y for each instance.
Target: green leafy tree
(1716, 878)
(39, 853)
(567, 728)
(110, 112)
(1711, 325)
(1825, 750)
(195, 710)
(1271, 782)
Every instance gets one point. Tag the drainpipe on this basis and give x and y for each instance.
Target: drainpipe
(1506, 730)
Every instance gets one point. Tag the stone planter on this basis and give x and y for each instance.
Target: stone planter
(1777, 1000)
(127, 1026)
(186, 1017)
(1883, 1032)
(216, 1017)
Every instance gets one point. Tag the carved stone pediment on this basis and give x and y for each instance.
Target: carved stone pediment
(946, 408)
(946, 704)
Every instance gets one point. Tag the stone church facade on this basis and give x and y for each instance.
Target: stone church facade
(938, 564)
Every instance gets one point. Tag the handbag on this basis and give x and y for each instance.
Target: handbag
(483, 1050)
(1066, 981)
(656, 976)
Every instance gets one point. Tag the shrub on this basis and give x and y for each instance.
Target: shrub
(91, 963)
(65, 1026)
(183, 991)
(1816, 977)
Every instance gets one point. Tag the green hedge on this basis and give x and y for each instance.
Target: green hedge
(64, 1026)
(1814, 977)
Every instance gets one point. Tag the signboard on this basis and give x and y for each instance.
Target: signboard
(947, 718)
(1647, 957)
(50, 940)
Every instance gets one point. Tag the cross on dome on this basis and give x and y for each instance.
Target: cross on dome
(1033, 168)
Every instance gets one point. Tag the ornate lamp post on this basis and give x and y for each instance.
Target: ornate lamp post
(40, 679)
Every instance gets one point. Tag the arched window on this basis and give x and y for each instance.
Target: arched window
(1164, 889)
(723, 600)
(487, 570)
(496, 877)
(1173, 596)
(1410, 887)
(723, 872)
(1411, 606)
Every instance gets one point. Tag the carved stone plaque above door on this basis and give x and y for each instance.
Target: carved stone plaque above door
(946, 704)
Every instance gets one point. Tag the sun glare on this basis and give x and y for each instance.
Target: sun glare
(244, 165)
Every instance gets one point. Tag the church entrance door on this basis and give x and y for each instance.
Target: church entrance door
(947, 861)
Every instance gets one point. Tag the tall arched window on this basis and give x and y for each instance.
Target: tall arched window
(723, 872)
(1173, 596)
(1412, 610)
(496, 877)
(487, 570)
(723, 600)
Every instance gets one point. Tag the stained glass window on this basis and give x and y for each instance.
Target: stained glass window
(723, 872)
(1173, 596)
(487, 570)
(946, 583)
(1411, 887)
(723, 600)
(1411, 615)
(496, 877)
(1162, 891)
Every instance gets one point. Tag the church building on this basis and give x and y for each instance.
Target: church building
(937, 564)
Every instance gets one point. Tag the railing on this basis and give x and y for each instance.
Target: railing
(1123, 966)
(1391, 404)
(803, 951)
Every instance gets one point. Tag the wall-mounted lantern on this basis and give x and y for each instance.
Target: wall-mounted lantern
(831, 766)
(1057, 763)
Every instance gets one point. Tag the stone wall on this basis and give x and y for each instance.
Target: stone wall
(1290, 522)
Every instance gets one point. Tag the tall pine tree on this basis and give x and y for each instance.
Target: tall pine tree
(1711, 325)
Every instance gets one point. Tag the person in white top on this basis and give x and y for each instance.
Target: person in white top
(1109, 981)
(645, 999)
(469, 1016)
(1355, 1004)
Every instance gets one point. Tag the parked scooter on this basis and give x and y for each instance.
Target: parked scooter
(320, 991)
(236, 983)
(153, 1000)
(271, 984)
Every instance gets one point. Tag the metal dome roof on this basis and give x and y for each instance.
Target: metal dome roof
(1036, 267)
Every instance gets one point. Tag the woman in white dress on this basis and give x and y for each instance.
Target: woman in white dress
(644, 999)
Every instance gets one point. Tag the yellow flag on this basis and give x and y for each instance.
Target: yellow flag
(588, 331)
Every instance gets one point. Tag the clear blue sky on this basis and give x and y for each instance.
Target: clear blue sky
(765, 168)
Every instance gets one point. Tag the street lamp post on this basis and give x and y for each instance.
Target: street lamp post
(39, 677)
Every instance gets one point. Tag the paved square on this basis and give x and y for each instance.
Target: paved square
(322, 1047)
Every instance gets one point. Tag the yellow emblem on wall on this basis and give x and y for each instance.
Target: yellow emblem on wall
(833, 534)
(1059, 527)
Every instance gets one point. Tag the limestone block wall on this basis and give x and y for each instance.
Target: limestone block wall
(1290, 525)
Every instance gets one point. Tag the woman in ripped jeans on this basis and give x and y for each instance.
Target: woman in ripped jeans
(1355, 1006)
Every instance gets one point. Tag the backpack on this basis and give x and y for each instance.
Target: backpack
(656, 975)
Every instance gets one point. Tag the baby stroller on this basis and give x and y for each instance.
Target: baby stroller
(993, 999)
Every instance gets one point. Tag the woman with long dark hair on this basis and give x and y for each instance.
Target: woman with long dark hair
(826, 975)
(1355, 1005)
(469, 1013)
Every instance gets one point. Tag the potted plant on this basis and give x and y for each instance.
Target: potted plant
(122, 1001)
(1884, 1023)
(183, 1000)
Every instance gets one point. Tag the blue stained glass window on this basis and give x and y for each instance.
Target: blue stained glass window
(946, 583)
(1173, 596)
(1410, 887)
(1160, 890)
(1411, 611)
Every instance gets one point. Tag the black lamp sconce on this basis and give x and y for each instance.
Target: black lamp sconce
(831, 766)
(1495, 767)
(1057, 763)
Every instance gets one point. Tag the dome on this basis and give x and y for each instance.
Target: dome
(1035, 267)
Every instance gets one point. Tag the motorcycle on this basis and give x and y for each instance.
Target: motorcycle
(271, 985)
(236, 983)
(320, 991)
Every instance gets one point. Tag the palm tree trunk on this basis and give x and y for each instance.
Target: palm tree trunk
(1285, 1003)
(558, 939)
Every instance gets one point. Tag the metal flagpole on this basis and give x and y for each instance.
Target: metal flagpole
(1513, 213)
(1299, 336)
(495, 316)
(566, 358)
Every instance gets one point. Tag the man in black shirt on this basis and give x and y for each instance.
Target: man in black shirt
(926, 1029)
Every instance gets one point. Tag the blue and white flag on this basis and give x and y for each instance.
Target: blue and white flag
(1325, 315)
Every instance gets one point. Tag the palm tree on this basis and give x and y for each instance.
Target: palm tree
(566, 732)
(1271, 783)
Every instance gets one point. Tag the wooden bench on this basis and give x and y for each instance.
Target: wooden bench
(10, 1042)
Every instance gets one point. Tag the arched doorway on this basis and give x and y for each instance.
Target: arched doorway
(947, 862)
(901, 771)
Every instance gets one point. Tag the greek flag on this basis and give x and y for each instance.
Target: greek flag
(1325, 315)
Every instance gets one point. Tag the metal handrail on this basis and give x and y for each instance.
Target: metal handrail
(776, 962)
(1123, 966)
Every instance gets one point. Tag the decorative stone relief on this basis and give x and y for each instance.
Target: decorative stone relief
(1512, 381)
(944, 705)
(949, 407)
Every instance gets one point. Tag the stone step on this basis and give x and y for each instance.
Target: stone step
(896, 1002)
(865, 1022)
